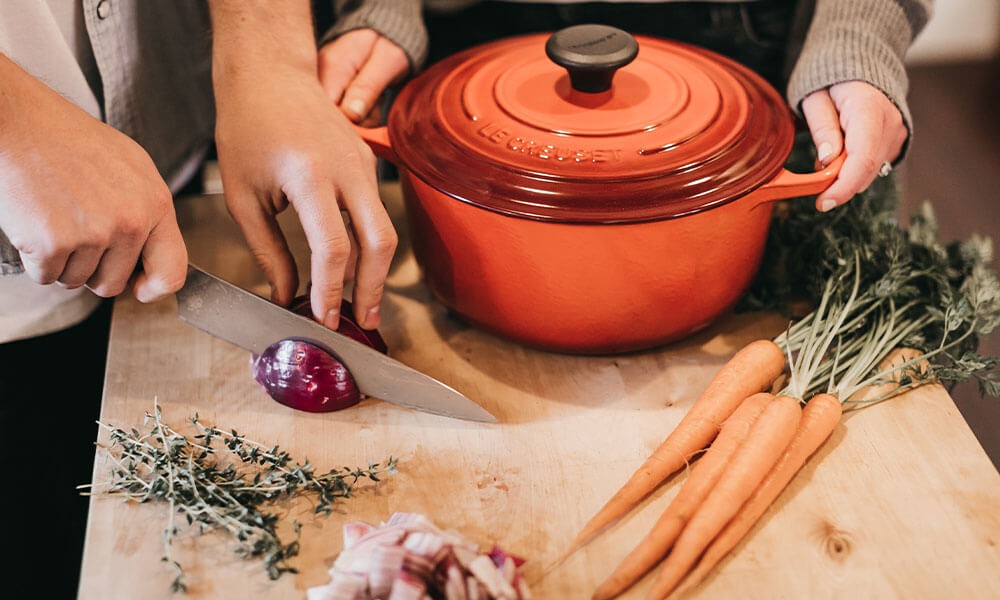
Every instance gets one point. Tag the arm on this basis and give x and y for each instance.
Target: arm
(80, 201)
(281, 142)
(850, 84)
(372, 45)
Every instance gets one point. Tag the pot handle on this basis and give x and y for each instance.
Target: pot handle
(792, 185)
(377, 139)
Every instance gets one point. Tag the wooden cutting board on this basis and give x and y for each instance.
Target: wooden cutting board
(901, 503)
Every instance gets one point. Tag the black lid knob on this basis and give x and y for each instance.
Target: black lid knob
(591, 54)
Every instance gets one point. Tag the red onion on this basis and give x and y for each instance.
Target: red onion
(410, 557)
(348, 324)
(306, 376)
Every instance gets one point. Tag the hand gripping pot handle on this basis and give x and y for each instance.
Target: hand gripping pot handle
(787, 184)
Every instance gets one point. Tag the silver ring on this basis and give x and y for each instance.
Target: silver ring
(885, 169)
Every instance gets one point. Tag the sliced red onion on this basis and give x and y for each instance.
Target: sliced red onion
(425, 543)
(407, 587)
(489, 576)
(354, 532)
(347, 587)
(500, 557)
(306, 376)
(454, 584)
(410, 557)
(387, 563)
(474, 590)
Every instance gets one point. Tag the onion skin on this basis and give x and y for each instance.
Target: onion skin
(306, 376)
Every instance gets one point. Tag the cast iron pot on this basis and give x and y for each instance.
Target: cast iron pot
(575, 194)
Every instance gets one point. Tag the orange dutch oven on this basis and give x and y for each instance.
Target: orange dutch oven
(590, 191)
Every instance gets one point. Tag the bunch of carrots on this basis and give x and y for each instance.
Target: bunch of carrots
(776, 402)
(756, 441)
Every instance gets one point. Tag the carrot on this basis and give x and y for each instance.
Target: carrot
(753, 369)
(699, 483)
(765, 444)
(819, 419)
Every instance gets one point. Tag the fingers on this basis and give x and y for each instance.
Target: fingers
(112, 274)
(267, 244)
(330, 241)
(164, 262)
(386, 64)
(101, 251)
(330, 249)
(357, 67)
(342, 59)
(860, 166)
(856, 99)
(824, 125)
(874, 134)
(352, 260)
(44, 267)
(80, 266)
(73, 263)
(377, 240)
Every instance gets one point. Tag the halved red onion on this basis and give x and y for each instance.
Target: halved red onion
(306, 376)
(348, 323)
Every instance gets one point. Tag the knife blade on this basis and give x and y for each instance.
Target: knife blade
(251, 322)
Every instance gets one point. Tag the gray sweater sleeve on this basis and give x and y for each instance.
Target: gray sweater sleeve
(399, 21)
(10, 260)
(859, 40)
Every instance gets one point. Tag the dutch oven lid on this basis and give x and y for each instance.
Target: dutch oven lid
(591, 125)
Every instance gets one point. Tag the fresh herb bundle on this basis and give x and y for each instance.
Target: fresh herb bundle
(164, 465)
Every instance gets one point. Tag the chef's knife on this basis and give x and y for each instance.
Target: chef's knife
(251, 322)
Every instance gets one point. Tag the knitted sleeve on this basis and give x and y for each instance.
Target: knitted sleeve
(859, 40)
(399, 21)
(10, 260)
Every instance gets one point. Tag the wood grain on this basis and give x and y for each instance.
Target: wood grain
(902, 503)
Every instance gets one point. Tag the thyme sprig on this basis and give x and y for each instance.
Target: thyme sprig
(212, 493)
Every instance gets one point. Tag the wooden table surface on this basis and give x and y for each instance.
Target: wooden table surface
(901, 503)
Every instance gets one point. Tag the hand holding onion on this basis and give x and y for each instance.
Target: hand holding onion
(306, 376)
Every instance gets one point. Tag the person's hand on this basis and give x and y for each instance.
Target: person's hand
(357, 67)
(856, 117)
(81, 201)
(280, 141)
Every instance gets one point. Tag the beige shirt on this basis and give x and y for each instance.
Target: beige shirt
(49, 40)
(110, 57)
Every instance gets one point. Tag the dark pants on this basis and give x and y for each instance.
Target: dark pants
(756, 34)
(50, 398)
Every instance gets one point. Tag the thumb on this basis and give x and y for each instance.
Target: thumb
(824, 125)
(386, 64)
(164, 262)
(340, 60)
